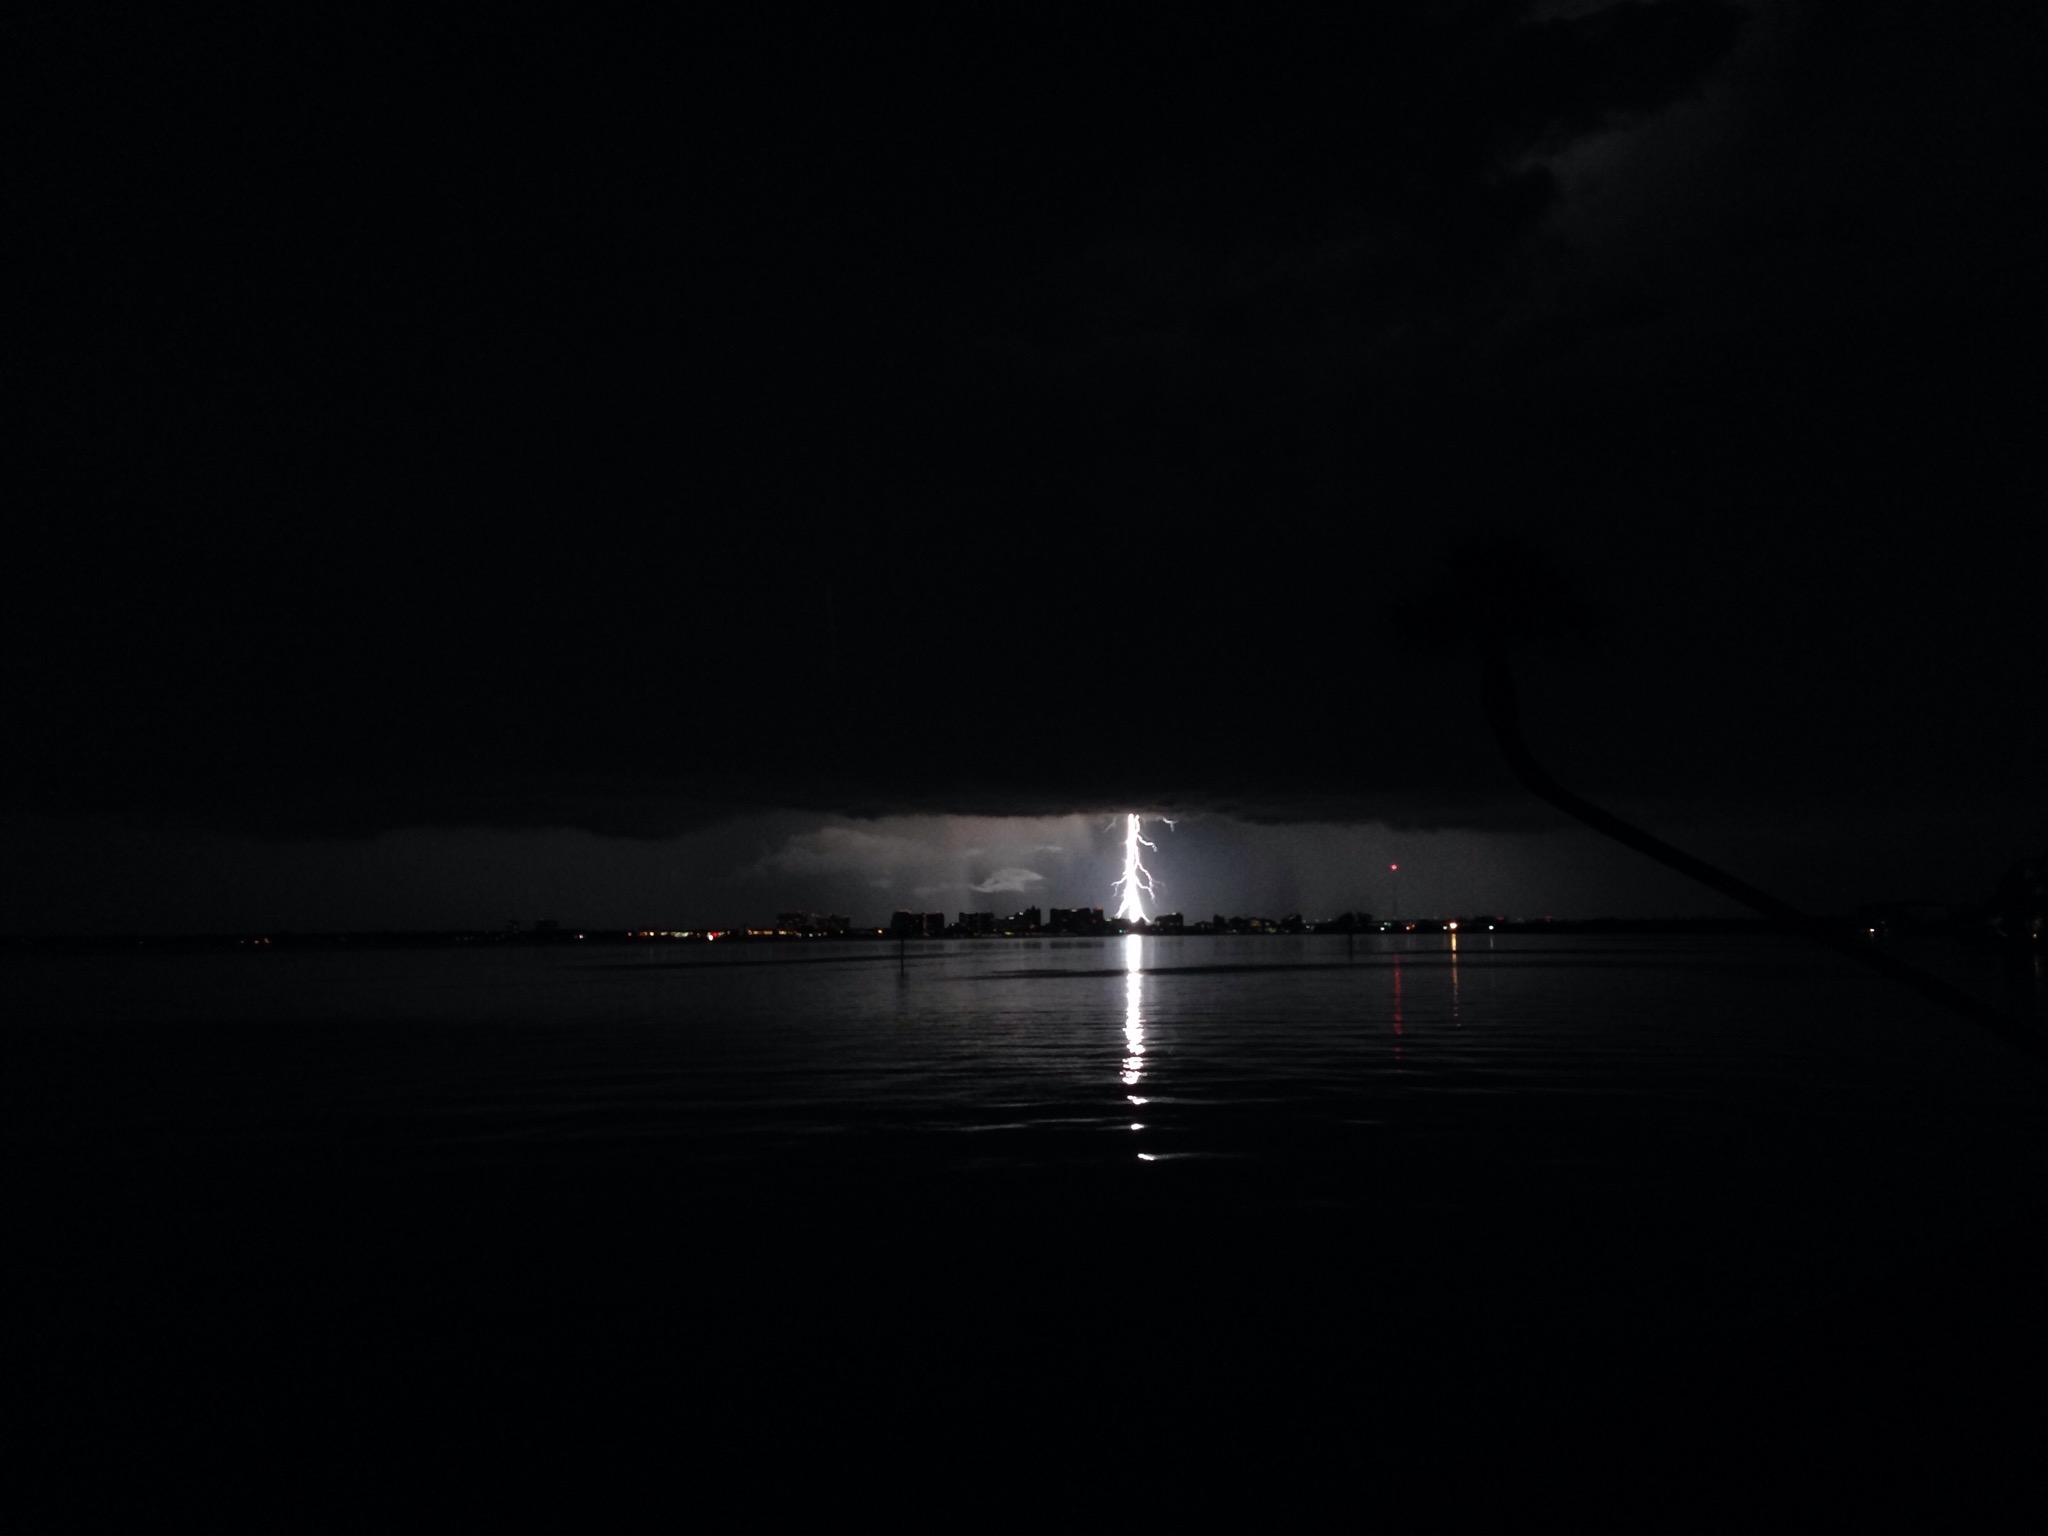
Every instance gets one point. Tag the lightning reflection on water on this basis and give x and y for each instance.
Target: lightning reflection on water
(1134, 1019)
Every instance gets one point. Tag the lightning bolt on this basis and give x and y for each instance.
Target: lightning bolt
(1136, 878)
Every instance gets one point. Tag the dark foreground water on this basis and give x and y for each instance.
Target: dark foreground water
(1677, 1230)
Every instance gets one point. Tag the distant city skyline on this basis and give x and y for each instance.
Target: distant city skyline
(747, 872)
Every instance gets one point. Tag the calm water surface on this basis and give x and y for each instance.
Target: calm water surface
(1745, 1102)
(1247, 1151)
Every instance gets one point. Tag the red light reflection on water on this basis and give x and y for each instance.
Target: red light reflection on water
(1397, 1007)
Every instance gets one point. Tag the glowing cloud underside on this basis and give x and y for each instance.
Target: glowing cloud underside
(1136, 878)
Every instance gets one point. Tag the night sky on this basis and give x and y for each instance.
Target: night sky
(673, 477)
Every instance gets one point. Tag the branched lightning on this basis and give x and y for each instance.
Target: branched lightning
(1136, 878)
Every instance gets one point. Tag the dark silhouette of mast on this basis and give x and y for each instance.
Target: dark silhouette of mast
(1503, 713)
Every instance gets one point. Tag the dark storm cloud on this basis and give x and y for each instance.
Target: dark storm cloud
(1012, 879)
(602, 433)
(1335, 206)
(1606, 65)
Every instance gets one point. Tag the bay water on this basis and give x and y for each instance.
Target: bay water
(1710, 1201)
